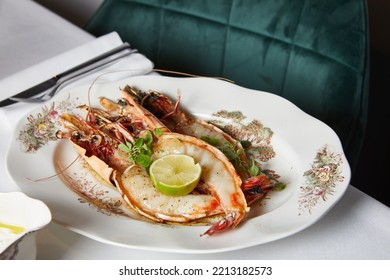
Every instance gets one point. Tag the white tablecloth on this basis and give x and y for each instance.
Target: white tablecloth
(358, 227)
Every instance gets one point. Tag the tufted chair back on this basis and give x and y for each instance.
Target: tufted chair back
(311, 52)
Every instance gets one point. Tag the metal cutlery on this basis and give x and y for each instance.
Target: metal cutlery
(47, 89)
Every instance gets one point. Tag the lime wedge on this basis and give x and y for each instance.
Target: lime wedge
(13, 229)
(175, 175)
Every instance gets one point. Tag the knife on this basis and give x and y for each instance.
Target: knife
(41, 87)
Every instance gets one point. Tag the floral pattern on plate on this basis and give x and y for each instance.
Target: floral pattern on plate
(92, 193)
(254, 131)
(320, 179)
(41, 128)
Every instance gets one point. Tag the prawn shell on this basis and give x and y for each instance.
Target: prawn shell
(100, 168)
(137, 190)
(217, 170)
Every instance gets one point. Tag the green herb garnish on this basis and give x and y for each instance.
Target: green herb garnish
(228, 149)
(279, 186)
(254, 169)
(232, 153)
(140, 151)
(211, 141)
(158, 132)
(245, 144)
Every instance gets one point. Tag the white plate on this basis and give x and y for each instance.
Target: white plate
(308, 157)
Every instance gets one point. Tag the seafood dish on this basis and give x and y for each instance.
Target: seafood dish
(230, 181)
(267, 169)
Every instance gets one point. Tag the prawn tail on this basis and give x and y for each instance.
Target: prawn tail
(231, 220)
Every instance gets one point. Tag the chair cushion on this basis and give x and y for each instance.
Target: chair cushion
(313, 53)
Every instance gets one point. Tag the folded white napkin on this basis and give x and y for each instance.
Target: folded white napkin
(132, 65)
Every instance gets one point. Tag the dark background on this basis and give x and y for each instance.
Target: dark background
(371, 174)
(374, 166)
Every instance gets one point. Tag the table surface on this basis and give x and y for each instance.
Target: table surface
(358, 227)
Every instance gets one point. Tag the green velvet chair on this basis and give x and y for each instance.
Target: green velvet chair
(313, 53)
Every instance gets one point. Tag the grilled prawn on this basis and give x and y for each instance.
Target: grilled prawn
(98, 138)
(177, 120)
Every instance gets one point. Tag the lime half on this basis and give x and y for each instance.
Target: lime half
(175, 175)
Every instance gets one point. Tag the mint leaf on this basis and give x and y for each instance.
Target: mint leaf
(245, 144)
(158, 132)
(148, 139)
(143, 160)
(254, 169)
(209, 140)
(125, 148)
(279, 186)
